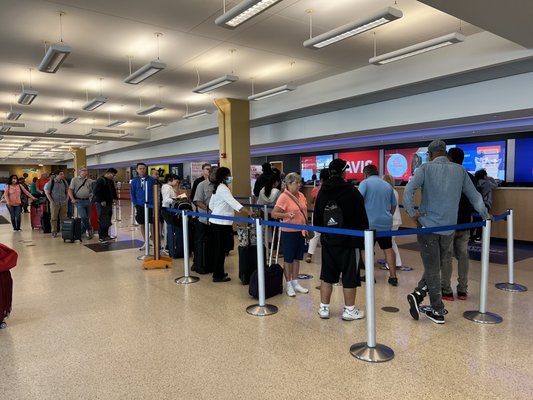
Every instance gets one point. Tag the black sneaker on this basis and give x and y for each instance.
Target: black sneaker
(433, 316)
(447, 295)
(393, 281)
(414, 300)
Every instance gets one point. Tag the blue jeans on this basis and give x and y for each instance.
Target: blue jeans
(436, 251)
(14, 212)
(84, 212)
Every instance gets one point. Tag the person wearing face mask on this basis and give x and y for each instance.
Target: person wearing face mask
(223, 203)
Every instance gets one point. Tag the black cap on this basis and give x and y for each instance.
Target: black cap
(338, 166)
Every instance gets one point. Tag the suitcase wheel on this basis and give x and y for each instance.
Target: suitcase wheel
(3, 325)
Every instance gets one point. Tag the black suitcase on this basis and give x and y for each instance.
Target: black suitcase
(175, 241)
(46, 224)
(247, 263)
(71, 229)
(203, 263)
(273, 274)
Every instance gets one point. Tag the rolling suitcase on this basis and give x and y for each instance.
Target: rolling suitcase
(71, 229)
(45, 222)
(175, 241)
(273, 274)
(8, 260)
(36, 215)
(247, 252)
(202, 256)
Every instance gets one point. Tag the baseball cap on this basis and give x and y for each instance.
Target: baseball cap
(338, 166)
(437, 145)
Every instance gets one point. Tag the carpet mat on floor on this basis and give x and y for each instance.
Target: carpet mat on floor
(115, 245)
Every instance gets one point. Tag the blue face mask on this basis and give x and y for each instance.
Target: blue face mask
(229, 179)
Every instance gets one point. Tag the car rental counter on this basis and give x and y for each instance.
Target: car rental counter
(519, 199)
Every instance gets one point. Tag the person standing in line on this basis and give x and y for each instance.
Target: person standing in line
(57, 193)
(380, 204)
(222, 203)
(13, 195)
(42, 181)
(168, 196)
(202, 228)
(442, 183)
(263, 178)
(138, 187)
(340, 253)
(396, 221)
(80, 193)
(104, 195)
(33, 187)
(486, 185)
(23, 196)
(291, 208)
(460, 241)
(313, 243)
(206, 170)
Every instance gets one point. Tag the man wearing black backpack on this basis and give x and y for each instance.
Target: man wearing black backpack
(340, 205)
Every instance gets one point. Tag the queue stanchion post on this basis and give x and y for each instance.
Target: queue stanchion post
(482, 316)
(510, 285)
(261, 309)
(370, 350)
(146, 228)
(267, 229)
(157, 261)
(186, 278)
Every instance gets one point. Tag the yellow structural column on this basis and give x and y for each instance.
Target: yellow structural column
(80, 159)
(234, 142)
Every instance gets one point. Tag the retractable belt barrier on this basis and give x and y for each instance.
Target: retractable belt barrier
(370, 350)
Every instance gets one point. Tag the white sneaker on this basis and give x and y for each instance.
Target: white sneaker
(290, 290)
(142, 247)
(300, 289)
(350, 315)
(323, 312)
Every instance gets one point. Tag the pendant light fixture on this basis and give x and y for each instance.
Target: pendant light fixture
(273, 92)
(98, 101)
(56, 53)
(218, 82)
(27, 96)
(242, 12)
(147, 70)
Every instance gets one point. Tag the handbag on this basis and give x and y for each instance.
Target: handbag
(308, 234)
(8, 258)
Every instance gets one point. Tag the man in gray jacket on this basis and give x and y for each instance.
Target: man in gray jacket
(442, 183)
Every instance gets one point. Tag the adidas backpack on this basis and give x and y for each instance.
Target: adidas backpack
(333, 218)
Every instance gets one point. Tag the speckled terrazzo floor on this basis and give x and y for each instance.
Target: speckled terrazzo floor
(104, 328)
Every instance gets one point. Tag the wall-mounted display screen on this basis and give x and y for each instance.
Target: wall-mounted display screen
(357, 160)
(488, 155)
(523, 167)
(313, 165)
(401, 163)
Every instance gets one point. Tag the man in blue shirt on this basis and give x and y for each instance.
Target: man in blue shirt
(442, 183)
(380, 204)
(138, 196)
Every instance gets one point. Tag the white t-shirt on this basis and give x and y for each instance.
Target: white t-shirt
(168, 194)
(223, 203)
(397, 216)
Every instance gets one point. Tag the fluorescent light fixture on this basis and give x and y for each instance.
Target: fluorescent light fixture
(418, 48)
(155, 126)
(27, 96)
(196, 114)
(12, 124)
(272, 92)
(129, 134)
(354, 28)
(116, 123)
(95, 103)
(243, 12)
(13, 115)
(5, 129)
(54, 57)
(149, 110)
(216, 83)
(68, 120)
(104, 130)
(146, 71)
(49, 131)
(100, 142)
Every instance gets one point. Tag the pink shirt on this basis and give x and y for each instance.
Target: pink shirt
(287, 203)
(314, 193)
(12, 195)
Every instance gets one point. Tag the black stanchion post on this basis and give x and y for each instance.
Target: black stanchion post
(510, 285)
(187, 278)
(370, 350)
(483, 316)
(261, 309)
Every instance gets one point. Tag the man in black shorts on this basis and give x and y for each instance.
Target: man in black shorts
(340, 205)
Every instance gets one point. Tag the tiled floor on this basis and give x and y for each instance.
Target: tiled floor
(105, 328)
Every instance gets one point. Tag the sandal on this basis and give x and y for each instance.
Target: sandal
(309, 258)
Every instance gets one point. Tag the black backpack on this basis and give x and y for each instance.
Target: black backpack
(333, 218)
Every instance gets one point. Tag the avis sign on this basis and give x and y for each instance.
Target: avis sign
(357, 160)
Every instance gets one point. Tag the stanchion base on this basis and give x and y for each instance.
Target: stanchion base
(482, 318)
(511, 287)
(380, 353)
(184, 280)
(163, 262)
(261, 311)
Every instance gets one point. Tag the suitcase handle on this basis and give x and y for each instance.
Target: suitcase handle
(272, 245)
